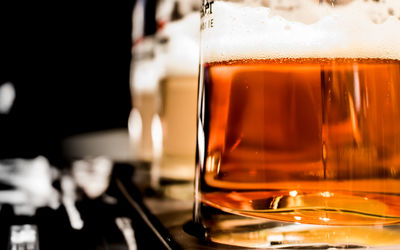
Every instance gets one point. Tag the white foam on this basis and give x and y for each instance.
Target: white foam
(359, 29)
(179, 57)
(181, 54)
(147, 69)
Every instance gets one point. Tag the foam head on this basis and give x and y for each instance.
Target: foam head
(181, 54)
(303, 29)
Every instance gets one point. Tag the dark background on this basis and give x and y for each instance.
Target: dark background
(69, 62)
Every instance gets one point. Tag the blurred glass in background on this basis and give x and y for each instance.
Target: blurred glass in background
(164, 68)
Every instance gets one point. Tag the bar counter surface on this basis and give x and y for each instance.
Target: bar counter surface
(157, 217)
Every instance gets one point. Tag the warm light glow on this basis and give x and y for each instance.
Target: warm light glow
(275, 202)
(297, 218)
(326, 194)
(357, 92)
(213, 163)
(157, 136)
(7, 97)
(293, 193)
(275, 238)
(354, 120)
(135, 126)
(209, 165)
(324, 219)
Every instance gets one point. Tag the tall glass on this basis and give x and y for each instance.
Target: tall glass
(299, 123)
(164, 73)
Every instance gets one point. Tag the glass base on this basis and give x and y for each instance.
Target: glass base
(230, 229)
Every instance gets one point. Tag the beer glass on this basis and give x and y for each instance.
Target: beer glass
(164, 73)
(298, 140)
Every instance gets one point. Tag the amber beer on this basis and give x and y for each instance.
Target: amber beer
(309, 140)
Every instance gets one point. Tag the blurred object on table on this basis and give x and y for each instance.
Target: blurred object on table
(83, 222)
(69, 197)
(24, 237)
(113, 144)
(92, 175)
(7, 97)
(30, 183)
(124, 224)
